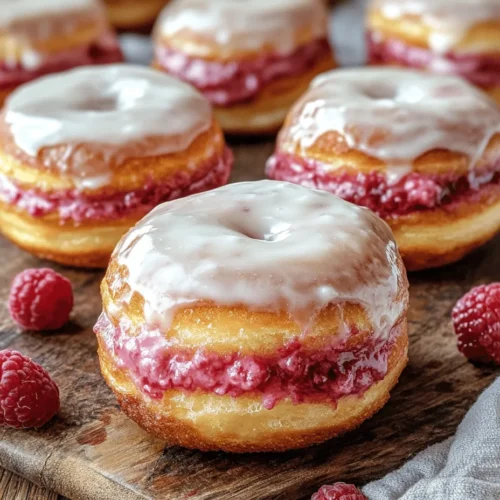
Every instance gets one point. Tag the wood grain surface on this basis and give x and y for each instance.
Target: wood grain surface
(92, 451)
(13, 487)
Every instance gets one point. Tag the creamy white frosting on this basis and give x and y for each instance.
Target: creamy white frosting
(266, 245)
(245, 24)
(114, 106)
(26, 22)
(450, 20)
(395, 115)
(15, 11)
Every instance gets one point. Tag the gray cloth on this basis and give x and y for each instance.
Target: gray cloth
(464, 467)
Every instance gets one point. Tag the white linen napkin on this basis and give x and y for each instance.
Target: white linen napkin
(464, 467)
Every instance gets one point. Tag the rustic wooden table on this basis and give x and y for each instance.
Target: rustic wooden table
(91, 451)
(13, 487)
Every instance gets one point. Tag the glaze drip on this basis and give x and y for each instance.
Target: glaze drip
(395, 115)
(268, 246)
(122, 111)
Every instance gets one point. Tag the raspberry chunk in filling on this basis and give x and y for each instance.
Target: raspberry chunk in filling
(294, 372)
(413, 192)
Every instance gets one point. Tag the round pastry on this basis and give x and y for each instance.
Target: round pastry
(421, 150)
(133, 15)
(259, 316)
(38, 37)
(252, 59)
(459, 37)
(86, 153)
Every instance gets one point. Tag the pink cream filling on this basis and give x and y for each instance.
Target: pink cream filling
(103, 51)
(76, 206)
(412, 193)
(481, 70)
(228, 83)
(293, 372)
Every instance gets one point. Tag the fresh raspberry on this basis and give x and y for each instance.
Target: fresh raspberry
(28, 396)
(40, 299)
(476, 319)
(338, 491)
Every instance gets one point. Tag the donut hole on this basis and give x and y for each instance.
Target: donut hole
(260, 230)
(380, 92)
(249, 233)
(96, 103)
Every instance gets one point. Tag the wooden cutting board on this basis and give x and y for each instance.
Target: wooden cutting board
(92, 451)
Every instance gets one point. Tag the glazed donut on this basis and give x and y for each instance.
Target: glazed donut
(252, 59)
(38, 37)
(279, 321)
(458, 37)
(87, 153)
(421, 150)
(131, 15)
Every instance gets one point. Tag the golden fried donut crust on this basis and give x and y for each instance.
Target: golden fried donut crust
(211, 422)
(265, 332)
(194, 44)
(494, 93)
(332, 149)
(131, 15)
(439, 237)
(29, 172)
(481, 37)
(87, 245)
(266, 112)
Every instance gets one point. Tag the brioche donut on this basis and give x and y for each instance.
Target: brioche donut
(252, 59)
(38, 37)
(458, 37)
(279, 321)
(131, 15)
(421, 150)
(87, 153)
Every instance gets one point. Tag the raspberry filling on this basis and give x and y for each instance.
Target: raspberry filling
(77, 206)
(294, 372)
(228, 83)
(481, 70)
(411, 193)
(103, 51)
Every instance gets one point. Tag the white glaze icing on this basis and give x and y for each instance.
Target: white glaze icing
(266, 245)
(450, 20)
(118, 106)
(15, 11)
(395, 115)
(245, 24)
(27, 22)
